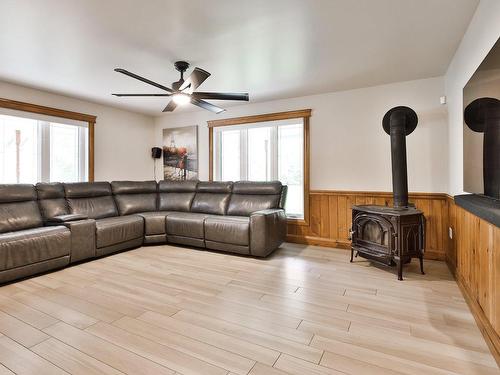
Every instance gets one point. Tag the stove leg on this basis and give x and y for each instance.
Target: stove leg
(352, 254)
(422, 265)
(400, 269)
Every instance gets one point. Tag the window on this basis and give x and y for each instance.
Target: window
(37, 148)
(263, 151)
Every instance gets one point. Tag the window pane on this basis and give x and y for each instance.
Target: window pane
(18, 150)
(230, 155)
(264, 151)
(291, 167)
(259, 154)
(65, 154)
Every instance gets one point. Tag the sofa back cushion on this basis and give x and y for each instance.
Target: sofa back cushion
(92, 199)
(135, 196)
(176, 195)
(212, 197)
(249, 196)
(51, 200)
(18, 208)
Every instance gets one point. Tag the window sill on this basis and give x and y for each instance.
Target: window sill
(296, 221)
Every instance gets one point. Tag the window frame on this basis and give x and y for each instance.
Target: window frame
(61, 113)
(304, 114)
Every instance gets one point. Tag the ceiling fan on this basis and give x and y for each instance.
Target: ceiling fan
(182, 91)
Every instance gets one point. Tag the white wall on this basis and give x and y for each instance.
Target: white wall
(349, 149)
(123, 139)
(481, 35)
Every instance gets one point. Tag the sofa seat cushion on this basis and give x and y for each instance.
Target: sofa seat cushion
(186, 224)
(228, 229)
(35, 245)
(114, 230)
(154, 222)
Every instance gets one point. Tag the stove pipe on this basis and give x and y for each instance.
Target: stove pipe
(483, 116)
(398, 123)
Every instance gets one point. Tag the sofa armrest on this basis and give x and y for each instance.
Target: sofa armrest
(83, 241)
(61, 219)
(268, 212)
(267, 231)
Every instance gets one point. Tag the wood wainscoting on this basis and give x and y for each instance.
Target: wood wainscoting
(330, 218)
(473, 255)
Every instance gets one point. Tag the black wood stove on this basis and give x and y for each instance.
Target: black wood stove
(392, 235)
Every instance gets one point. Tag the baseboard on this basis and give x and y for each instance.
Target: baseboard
(318, 241)
(490, 335)
(341, 244)
(434, 255)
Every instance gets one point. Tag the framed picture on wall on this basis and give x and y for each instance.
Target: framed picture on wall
(180, 153)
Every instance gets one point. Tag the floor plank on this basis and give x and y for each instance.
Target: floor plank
(56, 310)
(219, 339)
(257, 337)
(23, 361)
(106, 352)
(19, 331)
(25, 313)
(198, 349)
(297, 366)
(161, 354)
(72, 360)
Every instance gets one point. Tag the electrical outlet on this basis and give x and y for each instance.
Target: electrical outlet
(450, 233)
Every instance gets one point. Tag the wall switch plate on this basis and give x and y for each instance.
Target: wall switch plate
(450, 233)
(442, 99)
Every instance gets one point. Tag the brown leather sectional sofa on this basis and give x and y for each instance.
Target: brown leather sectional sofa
(49, 226)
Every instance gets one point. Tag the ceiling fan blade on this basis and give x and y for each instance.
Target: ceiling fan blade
(142, 79)
(170, 106)
(206, 105)
(197, 77)
(221, 95)
(141, 95)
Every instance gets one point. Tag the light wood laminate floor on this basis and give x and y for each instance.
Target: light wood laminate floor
(304, 310)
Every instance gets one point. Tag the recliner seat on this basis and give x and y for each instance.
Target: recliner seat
(55, 224)
(113, 232)
(26, 247)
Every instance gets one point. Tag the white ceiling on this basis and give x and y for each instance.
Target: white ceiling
(271, 48)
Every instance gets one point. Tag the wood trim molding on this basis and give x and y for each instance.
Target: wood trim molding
(49, 111)
(91, 151)
(210, 154)
(307, 163)
(381, 194)
(319, 241)
(305, 113)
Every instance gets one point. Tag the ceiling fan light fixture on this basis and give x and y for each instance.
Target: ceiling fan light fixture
(184, 91)
(181, 99)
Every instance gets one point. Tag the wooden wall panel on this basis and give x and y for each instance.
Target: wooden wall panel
(330, 218)
(473, 255)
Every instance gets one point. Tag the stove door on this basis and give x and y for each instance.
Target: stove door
(373, 233)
